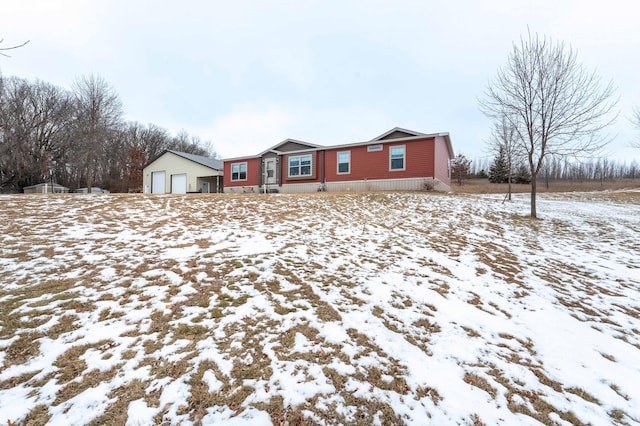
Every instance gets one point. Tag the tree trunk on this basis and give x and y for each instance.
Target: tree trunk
(533, 197)
(546, 179)
(509, 179)
(89, 173)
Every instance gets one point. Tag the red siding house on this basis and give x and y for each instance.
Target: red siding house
(399, 159)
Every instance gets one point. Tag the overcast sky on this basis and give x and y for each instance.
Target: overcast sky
(248, 74)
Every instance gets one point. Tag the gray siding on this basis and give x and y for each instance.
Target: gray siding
(397, 135)
(293, 146)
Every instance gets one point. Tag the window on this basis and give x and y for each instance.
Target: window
(396, 155)
(239, 171)
(374, 148)
(300, 166)
(344, 162)
(270, 166)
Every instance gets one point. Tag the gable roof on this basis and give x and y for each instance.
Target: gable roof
(397, 133)
(212, 163)
(390, 136)
(289, 141)
(400, 133)
(209, 162)
(48, 184)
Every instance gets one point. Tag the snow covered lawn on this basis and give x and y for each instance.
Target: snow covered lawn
(407, 308)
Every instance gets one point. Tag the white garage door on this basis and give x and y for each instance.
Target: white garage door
(157, 182)
(179, 184)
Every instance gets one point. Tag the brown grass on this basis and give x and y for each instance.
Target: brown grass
(39, 415)
(24, 348)
(116, 413)
(91, 379)
(483, 186)
(70, 364)
(223, 314)
(480, 383)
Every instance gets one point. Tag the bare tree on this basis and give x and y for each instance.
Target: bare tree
(151, 139)
(99, 112)
(460, 168)
(34, 121)
(76, 138)
(556, 106)
(636, 122)
(504, 141)
(4, 49)
(190, 144)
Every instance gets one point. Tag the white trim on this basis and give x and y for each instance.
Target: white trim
(270, 180)
(404, 158)
(375, 148)
(299, 157)
(383, 142)
(348, 172)
(246, 171)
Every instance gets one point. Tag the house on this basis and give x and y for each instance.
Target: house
(178, 172)
(45, 188)
(398, 159)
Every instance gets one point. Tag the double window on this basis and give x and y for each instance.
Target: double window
(300, 166)
(239, 171)
(344, 162)
(397, 157)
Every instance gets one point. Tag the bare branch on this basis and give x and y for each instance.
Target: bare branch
(11, 47)
(635, 120)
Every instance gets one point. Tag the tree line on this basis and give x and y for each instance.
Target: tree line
(501, 169)
(77, 137)
(555, 168)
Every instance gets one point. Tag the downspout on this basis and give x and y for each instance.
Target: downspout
(322, 171)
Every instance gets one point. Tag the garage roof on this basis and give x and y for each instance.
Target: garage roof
(212, 163)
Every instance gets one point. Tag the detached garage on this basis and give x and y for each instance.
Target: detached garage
(175, 172)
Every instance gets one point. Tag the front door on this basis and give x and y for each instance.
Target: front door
(270, 171)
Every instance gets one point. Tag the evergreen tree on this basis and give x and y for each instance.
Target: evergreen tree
(521, 174)
(499, 170)
(460, 168)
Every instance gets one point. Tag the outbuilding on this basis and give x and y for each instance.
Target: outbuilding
(175, 172)
(46, 188)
